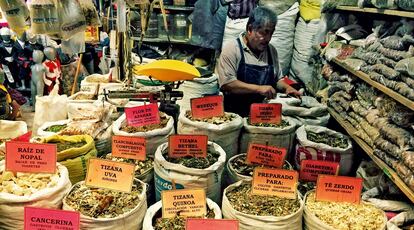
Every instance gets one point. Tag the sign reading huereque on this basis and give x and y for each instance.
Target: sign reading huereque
(206, 107)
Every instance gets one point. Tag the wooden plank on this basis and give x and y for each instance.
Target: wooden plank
(370, 152)
(399, 13)
(163, 40)
(396, 96)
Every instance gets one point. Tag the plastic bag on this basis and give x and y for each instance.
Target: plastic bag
(74, 45)
(372, 132)
(364, 136)
(72, 20)
(370, 173)
(382, 69)
(384, 4)
(50, 108)
(387, 158)
(406, 4)
(358, 108)
(388, 147)
(90, 128)
(44, 17)
(406, 66)
(354, 63)
(309, 107)
(386, 61)
(409, 81)
(396, 42)
(16, 13)
(404, 90)
(90, 12)
(395, 54)
(338, 77)
(385, 105)
(397, 135)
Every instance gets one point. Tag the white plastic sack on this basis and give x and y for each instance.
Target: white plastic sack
(370, 173)
(153, 138)
(197, 88)
(9, 130)
(233, 28)
(308, 150)
(318, 121)
(155, 208)
(281, 137)
(226, 135)
(12, 206)
(305, 36)
(209, 179)
(309, 107)
(131, 220)
(73, 100)
(249, 222)
(49, 108)
(92, 82)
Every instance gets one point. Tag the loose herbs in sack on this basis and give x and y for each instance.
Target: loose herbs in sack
(178, 222)
(145, 128)
(241, 167)
(324, 138)
(195, 162)
(140, 166)
(226, 118)
(55, 128)
(282, 125)
(64, 145)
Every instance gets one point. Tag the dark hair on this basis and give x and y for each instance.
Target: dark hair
(259, 17)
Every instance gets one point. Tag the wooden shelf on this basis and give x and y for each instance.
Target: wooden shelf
(370, 152)
(171, 7)
(399, 13)
(163, 40)
(398, 97)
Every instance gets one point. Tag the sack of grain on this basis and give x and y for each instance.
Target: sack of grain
(323, 215)
(36, 190)
(223, 130)
(126, 211)
(77, 166)
(320, 143)
(187, 172)
(154, 216)
(237, 169)
(83, 97)
(154, 135)
(252, 211)
(282, 135)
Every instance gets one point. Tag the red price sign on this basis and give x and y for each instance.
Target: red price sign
(266, 155)
(187, 145)
(211, 224)
(42, 218)
(129, 147)
(266, 113)
(206, 107)
(310, 169)
(142, 115)
(339, 189)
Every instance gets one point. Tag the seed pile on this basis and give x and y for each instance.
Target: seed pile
(145, 128)
(85, 96)
(327, 139)
(226, 118)
(241, 167)
(243, 201)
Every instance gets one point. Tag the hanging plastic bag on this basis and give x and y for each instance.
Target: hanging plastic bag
(74, 45)
(90, 12)
(72, 20)
(16, 13)
(44, 17)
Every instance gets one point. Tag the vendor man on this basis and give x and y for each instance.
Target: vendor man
(248, 68)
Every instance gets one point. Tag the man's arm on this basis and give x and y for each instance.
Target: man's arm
(284, 87)
(239, 87)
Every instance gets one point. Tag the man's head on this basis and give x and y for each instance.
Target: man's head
(259, 28)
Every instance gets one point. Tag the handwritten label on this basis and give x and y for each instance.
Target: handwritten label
(275, 182)
(142, 115)
(42, 218)
(30, 157)
(211, 224)
(310, 169)
(266, 155)
(186, 202)
(339, 189)
(266, 113)
(187, 145)
(129, 147)
(110, 174)
(206, 107)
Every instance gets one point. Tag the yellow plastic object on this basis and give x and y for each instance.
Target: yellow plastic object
(310, 9)
(71, 152)
(168, 70)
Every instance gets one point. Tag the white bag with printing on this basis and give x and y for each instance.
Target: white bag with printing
(154, 138)
(166, 174)
(249, 222)
(12, 206)
(130, 220)
(156, 209)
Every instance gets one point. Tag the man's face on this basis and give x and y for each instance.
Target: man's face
(259, 39)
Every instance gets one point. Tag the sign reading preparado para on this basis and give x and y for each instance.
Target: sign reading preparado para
(266, 155)
(275, 182)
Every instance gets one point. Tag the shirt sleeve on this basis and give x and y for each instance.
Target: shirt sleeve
(227, 64)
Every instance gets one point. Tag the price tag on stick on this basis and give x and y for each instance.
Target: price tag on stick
(266, 113)
(142, 115)
(206, 107)
(275, 182)
(109, 174)
(42, 218)
(339, 189)
(185, 202)
(30, 157)
(129, 147)
(266, 155)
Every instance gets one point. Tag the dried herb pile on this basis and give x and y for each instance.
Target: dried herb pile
(145, 128)
(103, 203)
(195, 162)
(226, 118)
(178, 222)
(282, 124)
(55, 128)
(61, 146)
(346, 216)
(85, 96)
(324, 138)
(25, 184)
(243, 201)
(241, 167)
(140, 166)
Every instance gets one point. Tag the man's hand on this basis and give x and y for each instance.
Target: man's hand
(292, 91)
(266, 90)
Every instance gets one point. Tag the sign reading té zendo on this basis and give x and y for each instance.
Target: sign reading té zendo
(142, 115)
(339, 189)
(187, 145)
(129, 147)
(109, 174)
(275, 182)
(211, 224)
(266, 113)
(185, 202)
(266, 155)
(30, 157)
(52, 219)
(310, 169)
(206, 107)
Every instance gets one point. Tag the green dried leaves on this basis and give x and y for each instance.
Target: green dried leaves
(324, 138)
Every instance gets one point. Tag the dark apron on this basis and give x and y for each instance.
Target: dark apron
(252, 74)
